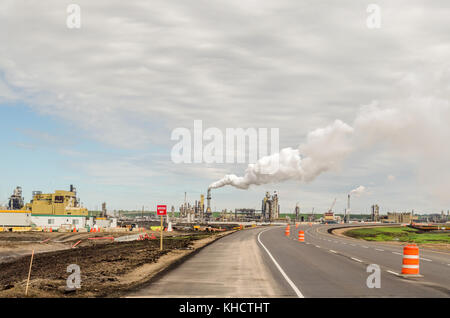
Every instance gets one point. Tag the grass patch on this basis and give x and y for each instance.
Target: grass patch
(398, 234)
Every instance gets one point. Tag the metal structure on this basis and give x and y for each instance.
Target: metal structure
(270, 208)
(16, 201)
(329, 216)
(297, 212)
(208, 204)
(347, 211)
(246, 215)
(375, 217)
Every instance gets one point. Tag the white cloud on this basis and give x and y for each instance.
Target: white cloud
(138, 69)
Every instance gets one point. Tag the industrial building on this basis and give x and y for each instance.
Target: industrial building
(49, 210)
(400, 217)
(270, 208)
(375, 215)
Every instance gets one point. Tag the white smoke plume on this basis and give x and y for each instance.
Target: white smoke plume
(417, 130)
(289, 164)
(358, 191)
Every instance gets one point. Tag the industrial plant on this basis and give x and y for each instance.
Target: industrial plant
(50, 211)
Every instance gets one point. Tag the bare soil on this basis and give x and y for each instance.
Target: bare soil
(108, 269)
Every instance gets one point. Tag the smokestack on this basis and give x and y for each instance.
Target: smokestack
(208, 200)
(347, 212)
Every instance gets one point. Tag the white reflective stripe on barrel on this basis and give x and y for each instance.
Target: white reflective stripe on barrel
(410, 266)
(411, 256)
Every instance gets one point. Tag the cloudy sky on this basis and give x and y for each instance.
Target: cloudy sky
(95, 106)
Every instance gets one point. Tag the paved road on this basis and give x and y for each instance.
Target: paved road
(264, 263)
(233, 266)
(327, 265)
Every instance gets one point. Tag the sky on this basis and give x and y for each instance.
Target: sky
(96, 106)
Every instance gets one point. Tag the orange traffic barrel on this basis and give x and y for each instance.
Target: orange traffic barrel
(410, 260)
(296, 225)
(301, 236)
(287, 231)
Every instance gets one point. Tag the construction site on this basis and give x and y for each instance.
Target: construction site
(122, 252)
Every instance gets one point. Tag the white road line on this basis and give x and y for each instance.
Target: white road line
(425, 259)
(364, 246)
(355, 259)
(317, 246)
(379, 249)
(296, 290)
(397, 253)
(396, 274)
(333, 251)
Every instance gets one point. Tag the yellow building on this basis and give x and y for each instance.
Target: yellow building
(58, 203)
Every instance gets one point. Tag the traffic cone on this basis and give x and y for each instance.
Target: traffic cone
(296, 225)
(287, 231)
(410, 265)
(51, 229)
(301, 236)
(74, 230)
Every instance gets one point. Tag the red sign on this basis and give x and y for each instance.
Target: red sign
(161, 209)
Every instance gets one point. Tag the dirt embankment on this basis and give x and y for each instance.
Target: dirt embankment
(107, 269)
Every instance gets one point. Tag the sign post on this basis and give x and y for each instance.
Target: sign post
(161, 210)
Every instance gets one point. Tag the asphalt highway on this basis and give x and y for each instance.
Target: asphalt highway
(263, 262)
(327, 265)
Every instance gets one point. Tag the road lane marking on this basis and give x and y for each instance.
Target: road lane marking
(355, 259)
(333, 251)
(317, 246)
(397, 253)
(286, 277)
(426, 259)
(364, 246)
(379, 249)
(396, 274)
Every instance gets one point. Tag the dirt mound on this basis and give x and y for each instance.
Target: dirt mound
(101, 265)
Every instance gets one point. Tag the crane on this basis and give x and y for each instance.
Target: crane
(332, 206)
